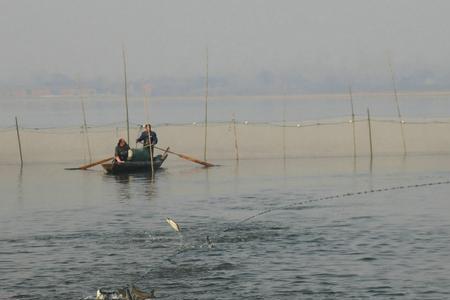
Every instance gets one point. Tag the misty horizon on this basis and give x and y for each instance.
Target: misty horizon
(255, 47)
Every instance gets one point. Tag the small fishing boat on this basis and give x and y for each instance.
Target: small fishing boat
(139, 162)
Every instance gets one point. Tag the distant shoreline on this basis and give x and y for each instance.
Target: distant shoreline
(308, 96)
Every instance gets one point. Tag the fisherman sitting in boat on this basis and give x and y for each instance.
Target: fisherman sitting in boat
(121, 151)
(144, 138)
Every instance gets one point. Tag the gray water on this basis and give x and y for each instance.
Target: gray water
(64, 234)
(102, 110)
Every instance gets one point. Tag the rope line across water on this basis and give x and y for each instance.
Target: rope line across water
(170, 257)
(345, 195)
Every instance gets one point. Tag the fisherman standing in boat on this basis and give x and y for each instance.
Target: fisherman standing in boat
(121, 151)
(148, 137)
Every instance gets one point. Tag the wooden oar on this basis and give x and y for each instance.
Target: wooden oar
(84, 167)
(204, 163)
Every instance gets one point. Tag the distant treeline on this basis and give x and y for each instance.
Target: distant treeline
(262, 83)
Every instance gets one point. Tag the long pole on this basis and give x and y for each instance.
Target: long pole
(20, 145)
(150, 151)
(235, 138)
(353, 121)
(146, 108)
(284, 127)
(147, 115)
(147, 118)
(370, 134)
(85, 167)
(85, 123)
(206, 106)
(126, 91)
(398, 107)
(184, 156)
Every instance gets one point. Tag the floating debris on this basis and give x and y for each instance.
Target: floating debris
(132, 293)
(209, 242)
(137, 294)
(173, 224)
(109, 295)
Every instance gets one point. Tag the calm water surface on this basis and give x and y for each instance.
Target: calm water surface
(63, 234)
(101, 110)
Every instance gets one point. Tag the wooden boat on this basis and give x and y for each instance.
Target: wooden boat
(139, 163)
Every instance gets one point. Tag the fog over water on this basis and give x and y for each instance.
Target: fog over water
(319, 40)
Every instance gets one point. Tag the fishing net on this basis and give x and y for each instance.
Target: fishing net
(236, 139)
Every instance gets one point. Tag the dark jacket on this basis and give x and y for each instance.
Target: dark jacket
(122, 152)
(144, 138)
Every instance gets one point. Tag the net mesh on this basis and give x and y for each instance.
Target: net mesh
(325, 138)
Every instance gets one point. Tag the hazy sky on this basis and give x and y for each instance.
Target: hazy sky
(168, 38)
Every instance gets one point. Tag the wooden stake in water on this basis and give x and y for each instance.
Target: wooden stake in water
(146, 106)
(150, 150)
(20, 145)
(370, 134)
(152, 167)
(398, 107)
(147, 118)
(126, 92)
(284, 127)
(235, 138)
(206, 105)
(85, 123)
(353, 121)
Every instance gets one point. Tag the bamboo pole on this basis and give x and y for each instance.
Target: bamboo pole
(353, 121)
(398, 107)
(152, 168)
(370, 134)
(284, 128)
(85, 123)
(206, 106)
(147, 115)
(235, 138)
(146, 106)
(184, 156)
(18, 140)
(85, 167)
(126, 92)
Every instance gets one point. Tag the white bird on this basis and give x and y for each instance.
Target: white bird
(173, 224)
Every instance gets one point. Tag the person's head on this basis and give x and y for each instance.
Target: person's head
(121, 142)
(148, 127)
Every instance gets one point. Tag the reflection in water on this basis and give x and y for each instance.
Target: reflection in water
(192, 171)
(138, 184)
(236, 168)
(207, 181)
(123, 185)
(19, 185)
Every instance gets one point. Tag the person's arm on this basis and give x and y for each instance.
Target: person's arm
(154, 138)
(117, 156)
(141, 138)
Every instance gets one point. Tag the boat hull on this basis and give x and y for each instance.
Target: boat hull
(129, 167)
